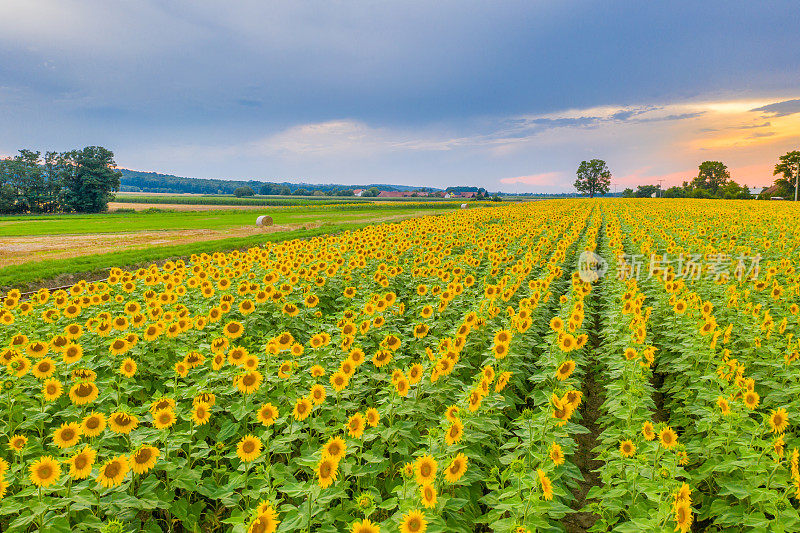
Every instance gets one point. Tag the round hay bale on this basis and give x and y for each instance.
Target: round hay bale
(264, 220)
(463, 206)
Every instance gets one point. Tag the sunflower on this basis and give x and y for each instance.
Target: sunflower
(80, 464)
(668, 438)
(402, 387)
(205, 397)
(19, 366)
(452, 413)
(556, 454)
(565, 370)
(457, 468)
(414, 522)
(249, 382)
(502, 337)
(267, 414)
(17, 442)
(201, 413)
(162, 403)
(143, 459)
(355, 425)
(317, 394)
(113, 471)
(119, 346)
(93, 424)
(45, 471)
(425, 469)
(454, 434)
(683, 518)
(500, 351)
(164, 418)
(428, 494)
(547, 485)
(44, 368)
(181, 369)
(751, 399)
(266, 521)
(233, 329)
(83, 393)
(317, 371)
(335, 448)
(373, 417)
(627, 448)
(122, 423)
(302, 408)
(67, 435)
(128, 368)
(327, 471)
(52, 389)
(567, 342)
(647, 431)
(249, 448)
(37, 349)
(778, 421)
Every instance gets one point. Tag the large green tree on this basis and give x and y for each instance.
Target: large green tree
(89, 179)
(786, 168)
(593, 177)
(711, 176)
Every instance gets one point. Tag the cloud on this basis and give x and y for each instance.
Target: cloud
(759, 134)
(543, 179)
(754, 126)
(780, 109)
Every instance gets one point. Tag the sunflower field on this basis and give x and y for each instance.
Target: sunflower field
(576, 365)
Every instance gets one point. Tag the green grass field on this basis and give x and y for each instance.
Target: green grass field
(185, 220)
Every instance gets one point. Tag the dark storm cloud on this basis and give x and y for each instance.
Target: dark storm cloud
(780, 109)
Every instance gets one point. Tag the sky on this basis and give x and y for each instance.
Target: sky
(505, 95)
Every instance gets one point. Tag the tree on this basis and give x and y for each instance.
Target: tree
(301, 192)
(372, 192)
(593, 177)
(711, 176)
(675, 192)
(89, 178)
(647, 191)
(627, 193)
(241, 192)
(786, 168)
(733, 191)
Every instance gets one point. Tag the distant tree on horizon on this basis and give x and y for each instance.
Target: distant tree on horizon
(711, 176)
(784, 168)
(241, 192)
(593, 178)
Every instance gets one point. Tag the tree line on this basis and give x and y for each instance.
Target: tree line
(77, 181)
(713, 180)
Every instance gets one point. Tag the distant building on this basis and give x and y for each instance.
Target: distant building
(358, 192)
(755, 191)
(390, 194)
(469, 194)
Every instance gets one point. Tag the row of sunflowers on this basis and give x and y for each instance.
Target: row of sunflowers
(427, 375)
(363, 381)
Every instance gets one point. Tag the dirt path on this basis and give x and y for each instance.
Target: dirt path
(17, 250)
(112, 206)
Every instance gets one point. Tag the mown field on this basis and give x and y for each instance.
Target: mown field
(259, 200)
(625, 365)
